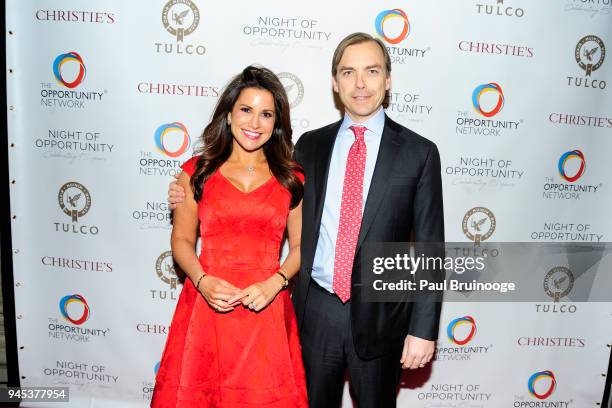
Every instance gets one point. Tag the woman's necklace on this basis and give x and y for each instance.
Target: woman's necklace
(251, 169)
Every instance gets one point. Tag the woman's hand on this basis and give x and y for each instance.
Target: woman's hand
(217, 292)
(259, 295)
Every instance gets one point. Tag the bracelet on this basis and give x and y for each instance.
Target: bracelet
(198, 284)
(286, 281)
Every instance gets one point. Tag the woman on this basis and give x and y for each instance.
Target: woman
(233, 340)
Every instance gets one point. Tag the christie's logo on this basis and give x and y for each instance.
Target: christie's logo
(465, 321)
(293, 86)
(393, 27)
(60, 60)
(79, 317)
(487, 101)
(172, 141)
(61, 16)
(542, 384)
(590, 53)
(570, 167)
(180, 18)
(75, 201)
(478, 224)
(499, 9)
(69, 73)
(492, 48)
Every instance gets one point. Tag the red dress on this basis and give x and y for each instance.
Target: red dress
(241, 358)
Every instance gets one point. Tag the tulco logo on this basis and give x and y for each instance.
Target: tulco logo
(164, 267)
(70, 57)
(542, 377)
(386, 16)
(167, 273)
(480, 90)
(558, 282)
(499, 10)
(165, 139)
(175, 16)
(293, 86)
(459, 322)
(393, 26)
(81, 317)
(478, 224)
(75, 201)
(180, 18)
(590, 53)
(567, 156)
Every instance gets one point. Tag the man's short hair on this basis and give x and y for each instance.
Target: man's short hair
(358, 38)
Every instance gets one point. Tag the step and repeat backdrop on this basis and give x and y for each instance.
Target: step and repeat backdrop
(108, 98)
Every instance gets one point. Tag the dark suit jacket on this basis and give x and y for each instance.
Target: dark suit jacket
(405, 195)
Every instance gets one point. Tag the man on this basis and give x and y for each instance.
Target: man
(368, 179)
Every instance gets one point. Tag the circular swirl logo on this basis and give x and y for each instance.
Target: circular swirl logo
(62, 59)
(450, 330)
(565, 157)
(167, 131)
(539, 376)
(386, 15)
(481, 90)
(68, 299)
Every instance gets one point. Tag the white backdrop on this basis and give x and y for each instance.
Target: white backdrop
(104, 96)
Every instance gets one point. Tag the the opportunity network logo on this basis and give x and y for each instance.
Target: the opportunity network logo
(460, 332)
(481, 90)
(385, 16)
(74, 318)
(393, 27)
(60, 60)
(461, 321)
(488, 100)
(541, 385)
(172, 139)
(75, 311)
(567, 156)
(69, 72)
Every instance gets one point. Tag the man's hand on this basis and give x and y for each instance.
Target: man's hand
(176, 193)
(417, 352)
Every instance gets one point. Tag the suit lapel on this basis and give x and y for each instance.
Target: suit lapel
(323, 158)
(389, 146)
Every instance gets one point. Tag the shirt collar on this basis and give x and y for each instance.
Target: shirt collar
(375, 124)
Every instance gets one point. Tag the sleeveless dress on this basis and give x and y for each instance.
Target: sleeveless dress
(240, 358)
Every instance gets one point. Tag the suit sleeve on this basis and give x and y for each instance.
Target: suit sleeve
(428, 227)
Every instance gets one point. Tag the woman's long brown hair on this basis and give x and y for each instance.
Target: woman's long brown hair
(217, 139)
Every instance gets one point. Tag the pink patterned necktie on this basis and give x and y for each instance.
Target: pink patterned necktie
(350, 215)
